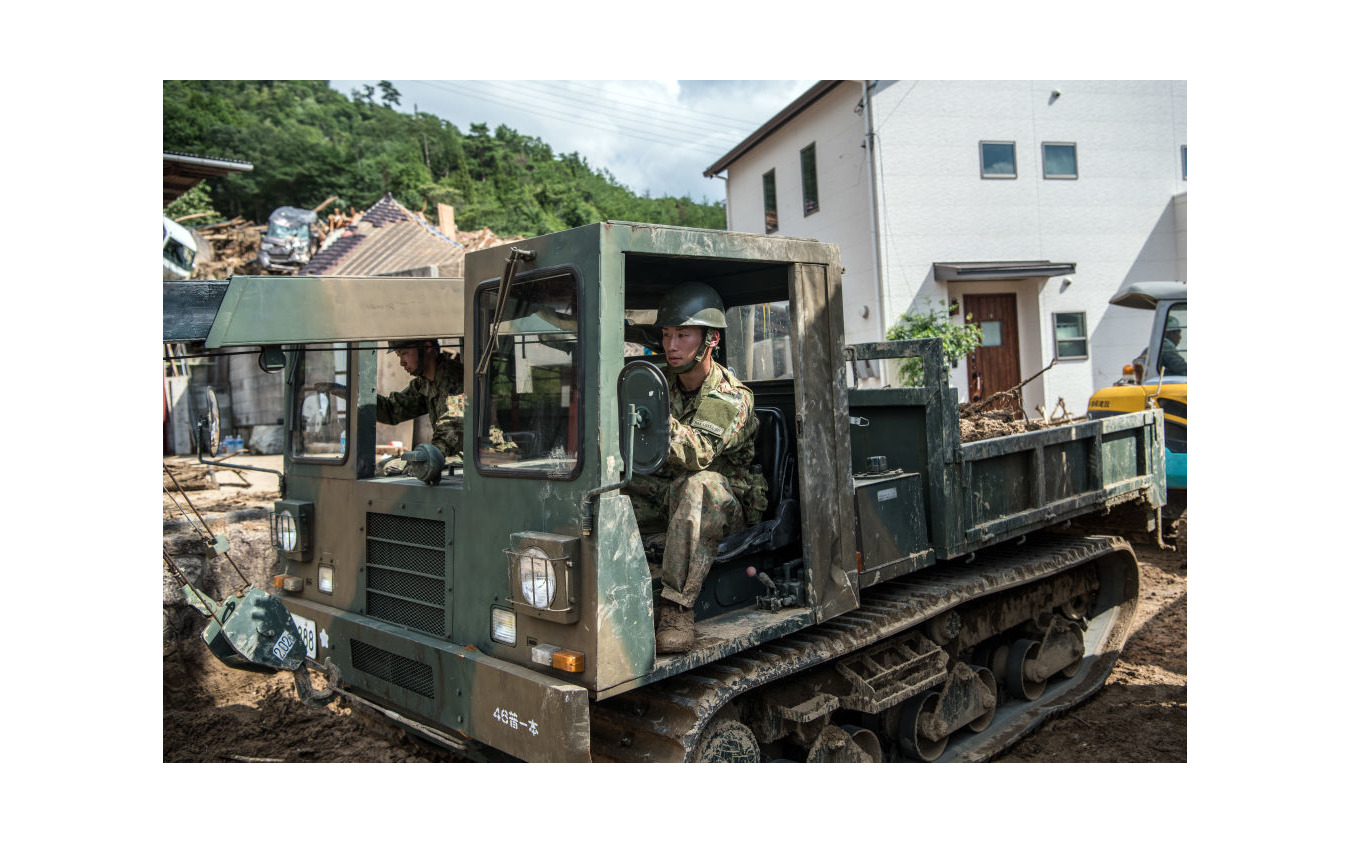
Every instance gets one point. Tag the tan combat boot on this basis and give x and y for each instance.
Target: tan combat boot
(674, 629)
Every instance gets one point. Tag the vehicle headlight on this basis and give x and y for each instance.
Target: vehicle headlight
(287, 535)
(534, 573)
(292, 528)
(503, 626)
(326, 579)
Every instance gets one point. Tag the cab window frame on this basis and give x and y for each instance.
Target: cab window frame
(295, 431)
(479, 411)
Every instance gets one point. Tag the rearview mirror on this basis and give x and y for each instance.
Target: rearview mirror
(644, 416)
(210, 424)
(271, 359)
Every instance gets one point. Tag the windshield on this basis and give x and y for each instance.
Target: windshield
(280, 229)
(527, 417)
(320, 429)
(178, 254)
(1172, 354)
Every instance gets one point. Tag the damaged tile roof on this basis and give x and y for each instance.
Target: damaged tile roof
(388, 238)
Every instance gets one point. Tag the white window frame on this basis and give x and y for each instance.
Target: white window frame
(984, 174)
(1054, 333)
(1071, 145)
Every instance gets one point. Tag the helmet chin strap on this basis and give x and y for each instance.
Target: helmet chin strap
(698, 358)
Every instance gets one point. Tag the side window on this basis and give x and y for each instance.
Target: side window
(758, 343)
(998, 160)
(1059, 160)
(770, 203)
(1071, 335)
(321, 413)
(810, 187)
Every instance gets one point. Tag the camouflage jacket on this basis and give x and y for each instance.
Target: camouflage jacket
(441, 399)
(715, 429)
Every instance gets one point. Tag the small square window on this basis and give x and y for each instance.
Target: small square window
(770, 203)
(810, 190)
(1059, 160)
(998, 160)
(1071, 335)
(991, 333)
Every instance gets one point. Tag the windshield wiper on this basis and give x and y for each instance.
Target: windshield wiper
(508, 275)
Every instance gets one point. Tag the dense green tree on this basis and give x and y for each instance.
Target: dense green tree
(308, 142)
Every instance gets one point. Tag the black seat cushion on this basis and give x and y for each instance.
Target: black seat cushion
(773, 453)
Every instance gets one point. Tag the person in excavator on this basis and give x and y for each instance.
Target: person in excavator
(708, 487)
(1170, 357)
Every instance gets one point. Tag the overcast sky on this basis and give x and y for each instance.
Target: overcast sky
(654, 136)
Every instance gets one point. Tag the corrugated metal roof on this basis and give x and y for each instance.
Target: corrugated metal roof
(182, 172)
(388, 238)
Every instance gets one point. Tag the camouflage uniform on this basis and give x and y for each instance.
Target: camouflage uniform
(708, 488)
(442, 400)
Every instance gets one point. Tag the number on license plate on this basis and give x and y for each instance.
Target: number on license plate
(307, 634)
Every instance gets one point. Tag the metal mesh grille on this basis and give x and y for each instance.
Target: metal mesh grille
(405, 673)
(405, 571)
(404, 529)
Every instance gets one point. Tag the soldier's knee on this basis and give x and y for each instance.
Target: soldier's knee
(700, 483)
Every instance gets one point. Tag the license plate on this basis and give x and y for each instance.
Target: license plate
(307, 634)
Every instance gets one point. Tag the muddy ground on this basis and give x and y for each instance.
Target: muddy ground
(215, 714)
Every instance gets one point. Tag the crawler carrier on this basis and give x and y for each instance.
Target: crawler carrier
(907, 596)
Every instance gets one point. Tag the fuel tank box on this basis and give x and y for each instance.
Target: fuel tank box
(892, 527)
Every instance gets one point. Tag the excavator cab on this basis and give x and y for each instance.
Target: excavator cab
(1158, 378)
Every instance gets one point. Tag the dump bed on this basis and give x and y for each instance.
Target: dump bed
(980, 493)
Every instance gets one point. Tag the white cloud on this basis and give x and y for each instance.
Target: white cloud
(653, 136)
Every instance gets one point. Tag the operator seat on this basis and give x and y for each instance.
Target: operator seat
(782, 518)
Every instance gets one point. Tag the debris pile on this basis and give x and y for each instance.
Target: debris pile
(482, 239)
(233, 246)
(987, 424)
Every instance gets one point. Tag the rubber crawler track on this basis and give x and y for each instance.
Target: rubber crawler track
(662, 722)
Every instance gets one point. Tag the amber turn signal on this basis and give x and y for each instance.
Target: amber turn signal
(572, 661)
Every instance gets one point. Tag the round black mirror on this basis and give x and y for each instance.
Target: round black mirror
(644, 415)
(272, 359)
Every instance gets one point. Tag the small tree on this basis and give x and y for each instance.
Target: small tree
(958, 340)
(194, 203)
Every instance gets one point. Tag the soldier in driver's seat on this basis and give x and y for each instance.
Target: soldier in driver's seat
(708, 488)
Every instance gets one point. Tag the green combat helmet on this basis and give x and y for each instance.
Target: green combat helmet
(418, 343)
(692, 303)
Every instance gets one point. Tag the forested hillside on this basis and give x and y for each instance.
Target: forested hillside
(308, 142)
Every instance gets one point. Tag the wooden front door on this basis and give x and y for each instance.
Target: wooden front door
(995, 366)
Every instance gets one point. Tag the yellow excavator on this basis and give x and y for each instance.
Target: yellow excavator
(1157, 378)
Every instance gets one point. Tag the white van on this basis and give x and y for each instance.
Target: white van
(180, 252)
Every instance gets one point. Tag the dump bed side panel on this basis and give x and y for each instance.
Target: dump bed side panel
(980, 493)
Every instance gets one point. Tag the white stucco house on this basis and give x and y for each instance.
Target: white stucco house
(1029, 204)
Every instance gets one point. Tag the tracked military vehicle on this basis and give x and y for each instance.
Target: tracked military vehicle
(907, 596)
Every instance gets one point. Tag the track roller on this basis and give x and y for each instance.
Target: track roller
(726, 740)
(1021, 663)
(910, 725)
(845, 744)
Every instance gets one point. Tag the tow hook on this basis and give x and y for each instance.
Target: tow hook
(305, 690)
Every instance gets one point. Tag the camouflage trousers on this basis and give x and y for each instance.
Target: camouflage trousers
(697, 511)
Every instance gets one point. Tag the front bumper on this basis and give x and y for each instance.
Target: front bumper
(455, 689)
